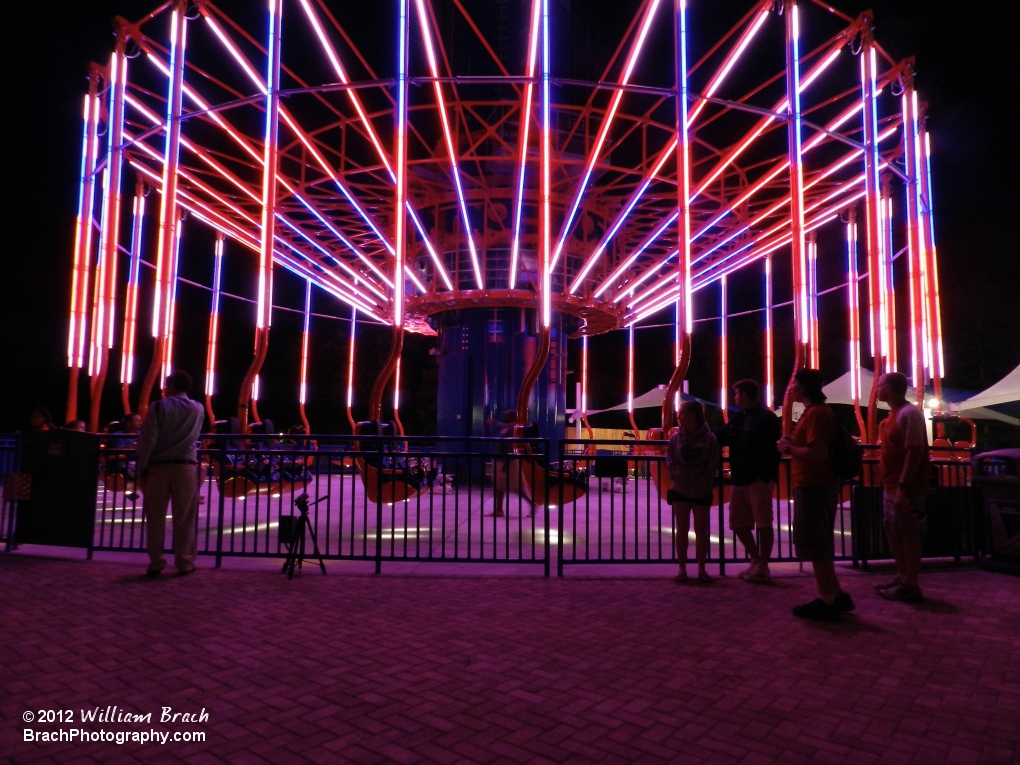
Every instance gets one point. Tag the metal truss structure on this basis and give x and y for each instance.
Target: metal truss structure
(403, 159)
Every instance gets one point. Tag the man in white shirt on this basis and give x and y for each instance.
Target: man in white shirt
(167, 464)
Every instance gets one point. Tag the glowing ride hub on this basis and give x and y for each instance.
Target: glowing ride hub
(435, 177)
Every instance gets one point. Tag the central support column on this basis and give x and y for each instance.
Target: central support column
(484, 354)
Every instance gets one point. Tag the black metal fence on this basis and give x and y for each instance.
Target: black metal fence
(411, 499)
(624, 518)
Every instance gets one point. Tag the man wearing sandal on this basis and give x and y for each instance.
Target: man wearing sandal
(751, 434)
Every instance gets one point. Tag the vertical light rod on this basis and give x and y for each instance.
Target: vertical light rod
(546, 170)
(915, 241)
(83, 228)
(171, 300)
(928, 211)
(167, 240)
(607, 122)
(264, 298)
(873, 211)
(798, 245)
(450, 145)
(269, 162)
(350, 366)
(684, 308)
(302, 395)
(854, 312)
(106, 279)
(127, 362)
(770, 387)
(399, 235)
(525, 127)
(214, 316)
(812, 246)
(630, 368)
(888, 281)
(667, 152)
(168, 199)
(115, 162)
(724, 372)
(584, 375)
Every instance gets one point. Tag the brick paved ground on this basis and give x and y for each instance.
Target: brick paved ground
(505, 668)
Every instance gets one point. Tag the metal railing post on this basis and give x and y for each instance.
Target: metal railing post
(221, 502)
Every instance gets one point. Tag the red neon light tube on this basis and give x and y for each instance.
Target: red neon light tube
(603, 133)
(127, 362)
(525, 127)
(83, 231)
(168, 201)
(401, 152)
(724, 373)
(450, 148)
(214, 317)
(305, 335)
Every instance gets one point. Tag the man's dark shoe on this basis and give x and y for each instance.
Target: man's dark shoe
(153, 574)
(818, 610)
(844, 603)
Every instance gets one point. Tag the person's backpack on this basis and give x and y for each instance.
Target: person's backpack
(846, 455)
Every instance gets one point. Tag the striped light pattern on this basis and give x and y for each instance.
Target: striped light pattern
(214, 318)
(127, 361)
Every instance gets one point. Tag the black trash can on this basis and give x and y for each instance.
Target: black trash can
(61, 506)
(998, 474)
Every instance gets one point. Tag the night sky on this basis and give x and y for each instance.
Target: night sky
(966, 71)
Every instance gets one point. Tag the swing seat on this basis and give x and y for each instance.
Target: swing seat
(383, 477)
(544, 484)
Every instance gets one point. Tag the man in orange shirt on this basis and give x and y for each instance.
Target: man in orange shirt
(815, 495)
(903, 464)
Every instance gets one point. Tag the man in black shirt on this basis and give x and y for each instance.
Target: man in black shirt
(751, 435)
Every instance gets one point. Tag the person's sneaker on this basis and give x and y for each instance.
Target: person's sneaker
(817, 610)
(903, 593)
(888, 585)
(750, 570)
(759, 576)
(844, 602)
(495, 514)
(131, 495)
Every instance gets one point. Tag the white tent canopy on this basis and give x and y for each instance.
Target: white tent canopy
(1004, 391)
(839, 392)
(650, 400)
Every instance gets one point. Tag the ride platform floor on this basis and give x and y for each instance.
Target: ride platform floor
(490, 664)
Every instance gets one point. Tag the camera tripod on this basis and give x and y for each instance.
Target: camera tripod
(296, 547)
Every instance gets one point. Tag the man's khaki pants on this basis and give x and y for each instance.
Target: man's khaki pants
(177, 486)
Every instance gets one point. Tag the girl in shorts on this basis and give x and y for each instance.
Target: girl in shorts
(692, 459)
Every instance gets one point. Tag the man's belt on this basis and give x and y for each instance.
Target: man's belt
(173, 462)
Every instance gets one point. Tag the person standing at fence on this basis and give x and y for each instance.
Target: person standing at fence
(167, 471)
(815, 495)
(751, 435)
(903, 465)
(692, 459)
(505, 479)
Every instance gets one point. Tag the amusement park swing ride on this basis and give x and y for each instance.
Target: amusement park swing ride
(434, 173)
